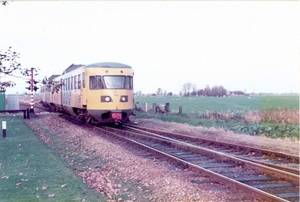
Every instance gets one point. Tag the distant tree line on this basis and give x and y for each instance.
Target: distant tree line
(159, 92)
(190, 89)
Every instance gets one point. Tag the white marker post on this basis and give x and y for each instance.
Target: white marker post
(4, 128)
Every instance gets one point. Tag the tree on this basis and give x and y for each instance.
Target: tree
(186, 88)
(8, 64)
(200, 92)
(159, 92)
(170, 94)
(194, 90)
(206, 90)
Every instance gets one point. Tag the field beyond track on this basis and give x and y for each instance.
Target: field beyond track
(271, 116)
(223, 104)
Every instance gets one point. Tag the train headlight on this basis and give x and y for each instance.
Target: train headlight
(105, 98)
(124, 98)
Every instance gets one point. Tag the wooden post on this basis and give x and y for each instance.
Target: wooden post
(180, 110)
(4, 129)
(231, 114)
(207, 113)
(146, 107)
(167, 106)
(154, 108)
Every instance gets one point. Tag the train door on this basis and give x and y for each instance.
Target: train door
(69, 92)
(61, 91)
(64, 92)
(83, 90)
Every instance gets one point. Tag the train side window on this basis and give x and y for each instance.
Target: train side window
(75, 82)
(128, 82)
(71, 83)
(131, 82)
(83, 79)
(79, 82)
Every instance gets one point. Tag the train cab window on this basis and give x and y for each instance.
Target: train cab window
(117, 82)
(83, 79)
(96, 83)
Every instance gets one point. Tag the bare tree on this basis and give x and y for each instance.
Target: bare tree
(206, 90)
(186, 88)
(8, 64)
(159, 92)
(200, 92)
(189, 85)
(194, 90)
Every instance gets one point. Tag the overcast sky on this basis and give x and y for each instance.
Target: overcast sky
(252, 46)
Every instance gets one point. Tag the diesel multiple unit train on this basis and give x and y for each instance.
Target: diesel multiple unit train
(95, 93)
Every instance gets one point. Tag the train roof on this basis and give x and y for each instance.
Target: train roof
(108, 64)
(100, 64)
(53, 77)
(71, 68)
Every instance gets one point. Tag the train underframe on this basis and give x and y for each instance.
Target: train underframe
(93, 116)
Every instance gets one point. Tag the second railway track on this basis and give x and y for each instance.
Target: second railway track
(263, 182)
(274, 159)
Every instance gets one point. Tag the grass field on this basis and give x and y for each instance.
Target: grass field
(272, 116)
(223, 104)
(31, 171)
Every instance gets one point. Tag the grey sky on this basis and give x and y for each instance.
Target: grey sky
(252, 46)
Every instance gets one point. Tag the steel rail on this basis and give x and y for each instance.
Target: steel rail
(236, 147)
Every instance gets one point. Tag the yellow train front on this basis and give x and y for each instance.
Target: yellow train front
(96, 93)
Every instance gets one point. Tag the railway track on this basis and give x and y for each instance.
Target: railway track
(263, 182)
(274, 159)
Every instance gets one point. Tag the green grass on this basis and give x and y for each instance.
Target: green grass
(223, 104)
(236, 113)
(236, 124)
(31, 171)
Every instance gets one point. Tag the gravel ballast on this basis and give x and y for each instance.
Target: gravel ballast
(123, 173)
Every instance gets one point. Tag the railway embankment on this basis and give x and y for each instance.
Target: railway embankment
(122, 172)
